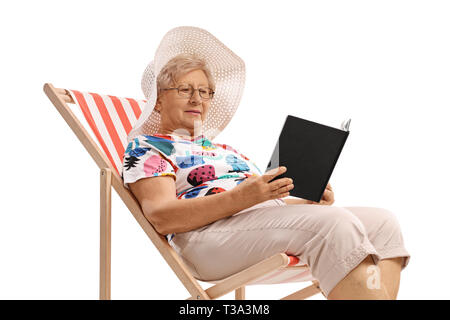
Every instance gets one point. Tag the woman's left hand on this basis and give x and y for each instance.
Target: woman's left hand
(327, 197)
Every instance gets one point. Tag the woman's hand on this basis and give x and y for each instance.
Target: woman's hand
(327, 197)
(256, 189)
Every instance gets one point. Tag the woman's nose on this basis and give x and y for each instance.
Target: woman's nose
(196, 96)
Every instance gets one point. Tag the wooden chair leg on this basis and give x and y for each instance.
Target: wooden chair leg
(239, 293)
(305, 292)
(105, 234)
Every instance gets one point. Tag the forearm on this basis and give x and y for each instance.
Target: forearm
(183, 215)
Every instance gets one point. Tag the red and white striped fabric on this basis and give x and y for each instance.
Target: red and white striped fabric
(294, 271)
(111, 118)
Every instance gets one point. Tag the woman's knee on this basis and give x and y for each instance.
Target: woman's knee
(342, 232)
(375, 217)
(342, 222)
(378, 222)
(388, 231)
(387, 218)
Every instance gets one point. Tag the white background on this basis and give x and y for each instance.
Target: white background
(385, 64)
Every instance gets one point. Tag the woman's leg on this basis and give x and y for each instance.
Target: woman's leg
(357, 285)
(384, 232)
(390, 269)
(331, 240)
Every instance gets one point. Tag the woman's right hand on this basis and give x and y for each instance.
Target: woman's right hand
(256, 189)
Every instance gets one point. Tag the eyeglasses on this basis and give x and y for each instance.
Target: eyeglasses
(187, 91)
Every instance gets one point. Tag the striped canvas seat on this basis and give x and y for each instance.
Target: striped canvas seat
(294, 271)
(111, 118)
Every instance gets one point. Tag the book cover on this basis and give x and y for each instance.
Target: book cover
(310, 151)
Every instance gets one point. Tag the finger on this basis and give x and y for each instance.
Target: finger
(269, 175)
(331, 197)
(272, 171)
(278, 196)
(284, 189)
(279, 183)
(329, 186)
(328, 197)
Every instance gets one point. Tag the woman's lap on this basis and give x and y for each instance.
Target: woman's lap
(331, 240)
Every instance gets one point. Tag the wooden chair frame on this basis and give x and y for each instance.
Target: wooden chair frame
(110, 178)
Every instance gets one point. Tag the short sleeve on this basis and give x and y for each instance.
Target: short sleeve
(141, 160)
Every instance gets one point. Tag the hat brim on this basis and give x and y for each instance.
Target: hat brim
(227, 69)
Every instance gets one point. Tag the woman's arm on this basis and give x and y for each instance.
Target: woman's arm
(168, 214)
(183, 215)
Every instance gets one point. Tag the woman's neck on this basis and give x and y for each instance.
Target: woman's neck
(183, 136)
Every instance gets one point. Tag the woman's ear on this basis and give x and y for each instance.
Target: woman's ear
(158, 105)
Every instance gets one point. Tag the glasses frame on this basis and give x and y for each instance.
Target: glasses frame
(193, 91)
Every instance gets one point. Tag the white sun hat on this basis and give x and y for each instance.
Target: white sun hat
(227, 70)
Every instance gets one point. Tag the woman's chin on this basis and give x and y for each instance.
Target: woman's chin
(192, 121)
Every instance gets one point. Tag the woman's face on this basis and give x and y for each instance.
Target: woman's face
(174, 109)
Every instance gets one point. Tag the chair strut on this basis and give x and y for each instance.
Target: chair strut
(105, 234)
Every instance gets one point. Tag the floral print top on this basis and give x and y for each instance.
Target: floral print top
(198, 166)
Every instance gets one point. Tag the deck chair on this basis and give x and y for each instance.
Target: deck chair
(111, 119)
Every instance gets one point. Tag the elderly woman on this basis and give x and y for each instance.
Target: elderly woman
(217, 209)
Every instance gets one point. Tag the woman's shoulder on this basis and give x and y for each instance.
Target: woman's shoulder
(162, 143)
(154, 137)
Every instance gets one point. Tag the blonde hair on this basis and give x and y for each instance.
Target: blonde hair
(180, 65)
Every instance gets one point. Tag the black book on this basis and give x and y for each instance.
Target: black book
(309, 151)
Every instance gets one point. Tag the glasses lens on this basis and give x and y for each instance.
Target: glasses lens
(205, 92)
(185, 90)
